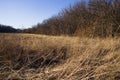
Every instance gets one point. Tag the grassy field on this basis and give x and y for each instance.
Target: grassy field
(41, 57)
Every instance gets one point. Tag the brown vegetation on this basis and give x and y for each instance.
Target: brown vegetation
(93, 18)
(29, 56)
(88, 57)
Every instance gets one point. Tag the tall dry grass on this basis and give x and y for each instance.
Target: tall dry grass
(29, 56)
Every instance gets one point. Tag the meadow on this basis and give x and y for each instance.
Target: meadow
(41, 57)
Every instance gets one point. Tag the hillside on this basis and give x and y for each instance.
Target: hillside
(41, 57)
(8, 29)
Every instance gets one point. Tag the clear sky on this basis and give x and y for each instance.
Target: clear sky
(26, 13)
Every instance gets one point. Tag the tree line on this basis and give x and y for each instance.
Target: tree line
(92, 18)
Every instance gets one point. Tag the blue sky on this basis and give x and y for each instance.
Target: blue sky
(26, 13)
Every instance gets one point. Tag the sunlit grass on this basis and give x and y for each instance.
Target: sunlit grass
(29, 56)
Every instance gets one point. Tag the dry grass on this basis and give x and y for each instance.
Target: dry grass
(40, 57)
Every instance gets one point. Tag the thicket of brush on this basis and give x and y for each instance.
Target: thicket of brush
(92, 18)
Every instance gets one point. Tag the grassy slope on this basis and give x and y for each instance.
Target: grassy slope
(28, 56)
